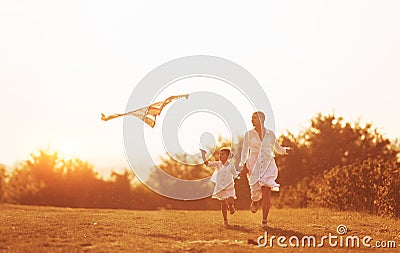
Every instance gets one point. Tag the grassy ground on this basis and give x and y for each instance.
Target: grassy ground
(49, 229)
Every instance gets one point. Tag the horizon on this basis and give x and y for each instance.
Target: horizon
(105, 171)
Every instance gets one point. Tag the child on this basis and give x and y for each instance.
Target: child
(223, 177)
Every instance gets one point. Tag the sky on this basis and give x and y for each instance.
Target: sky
(63, 63)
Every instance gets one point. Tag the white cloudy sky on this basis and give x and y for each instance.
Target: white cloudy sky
(62, 63)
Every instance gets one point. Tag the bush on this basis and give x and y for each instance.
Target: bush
(306, 193)
(2, 182)
(331, 141)
(371, 186)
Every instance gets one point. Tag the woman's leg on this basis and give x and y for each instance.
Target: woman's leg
(266, 202)
(256, 196)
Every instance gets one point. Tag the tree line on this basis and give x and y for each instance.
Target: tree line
(335, 164)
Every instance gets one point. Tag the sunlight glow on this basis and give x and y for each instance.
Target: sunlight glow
(66, 149)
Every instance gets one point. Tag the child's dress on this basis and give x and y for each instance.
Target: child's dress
(223, 177)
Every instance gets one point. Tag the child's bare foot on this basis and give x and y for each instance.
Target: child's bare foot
(253, 206)
(226, 223)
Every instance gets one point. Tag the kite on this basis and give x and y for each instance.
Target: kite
(148, 113)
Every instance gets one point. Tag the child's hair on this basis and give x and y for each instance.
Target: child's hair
(228, 150)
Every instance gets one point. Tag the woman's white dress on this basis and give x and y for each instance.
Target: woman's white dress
(259, 158)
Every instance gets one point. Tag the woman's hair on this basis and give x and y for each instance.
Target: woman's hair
(228, 151)
(261, 115)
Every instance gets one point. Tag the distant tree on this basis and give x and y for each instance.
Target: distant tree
(330, 142)
(80, 186)
(23, 185)
(191, 168)
(31, 178)
(46, 179)
(121, 189)
(186, 168)
(341, 165)
(3, 176)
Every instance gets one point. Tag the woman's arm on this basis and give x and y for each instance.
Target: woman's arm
(278, 148)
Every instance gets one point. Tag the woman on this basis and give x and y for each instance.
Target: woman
(260, 165)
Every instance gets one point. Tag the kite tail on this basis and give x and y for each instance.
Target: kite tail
(103, 117)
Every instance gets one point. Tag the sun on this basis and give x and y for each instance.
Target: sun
(66, 149)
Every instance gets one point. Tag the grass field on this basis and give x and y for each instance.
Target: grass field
(50, 229)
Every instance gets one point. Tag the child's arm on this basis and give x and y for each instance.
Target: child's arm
(234, 172)
(206, 162)
(203, 156)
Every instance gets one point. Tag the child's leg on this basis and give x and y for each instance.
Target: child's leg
(230, 202)
(224, 209)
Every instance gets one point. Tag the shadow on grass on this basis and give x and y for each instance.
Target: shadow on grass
(239, 228)
(165, 236)
(285, 232)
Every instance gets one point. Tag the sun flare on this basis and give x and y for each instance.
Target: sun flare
(66, 149)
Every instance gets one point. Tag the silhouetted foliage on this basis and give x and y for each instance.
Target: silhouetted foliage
(46, 179)
(341, 165)
(191, 168)
(2, 182)
(335, 164)
(330, 142)
(372, 186)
